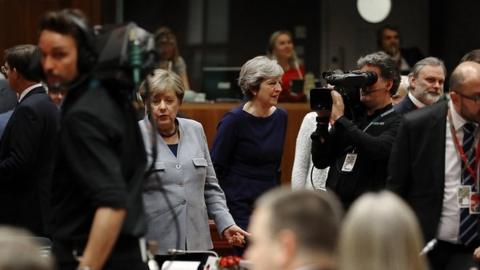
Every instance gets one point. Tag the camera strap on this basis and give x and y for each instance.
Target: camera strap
(351, 158)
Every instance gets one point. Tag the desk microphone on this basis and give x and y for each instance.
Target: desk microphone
(428, 247)
(173, 251)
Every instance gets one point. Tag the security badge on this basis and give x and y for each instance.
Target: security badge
(467, 198)
(349, 162)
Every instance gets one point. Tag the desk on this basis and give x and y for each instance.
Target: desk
(209, 114)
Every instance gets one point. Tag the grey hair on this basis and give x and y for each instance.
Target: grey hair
(254, 71)
(428, 61)
(385, 63)
(164, 80)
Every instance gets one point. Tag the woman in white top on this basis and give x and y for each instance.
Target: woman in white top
(303, 172)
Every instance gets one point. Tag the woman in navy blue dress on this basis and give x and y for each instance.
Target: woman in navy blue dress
(248, 147)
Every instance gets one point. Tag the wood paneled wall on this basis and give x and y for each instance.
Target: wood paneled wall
(19, 18)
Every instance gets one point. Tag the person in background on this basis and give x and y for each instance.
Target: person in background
(26, 147)
(248, 146)
(57, 95)
(388, 41)
(304, 174)
(97, 209)
(425, 85)
(183, 173)
(169, 54)
(19, 250)
(281, 48)
(380, 232)
(402, 90)
(294, 230)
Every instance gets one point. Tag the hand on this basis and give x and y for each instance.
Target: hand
(338, 108)
(476, 254)
(235, 235)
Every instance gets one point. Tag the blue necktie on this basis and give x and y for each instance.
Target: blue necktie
(468, 223)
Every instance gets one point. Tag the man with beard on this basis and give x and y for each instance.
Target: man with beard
(388, 40)
(426, 85)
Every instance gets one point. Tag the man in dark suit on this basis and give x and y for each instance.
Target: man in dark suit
(389, 41)
(425, 86)
(26, 148)
(428, 168)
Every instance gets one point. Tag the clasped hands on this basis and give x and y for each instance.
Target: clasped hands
(235, 235)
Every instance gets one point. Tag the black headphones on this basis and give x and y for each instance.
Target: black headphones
(87, 54)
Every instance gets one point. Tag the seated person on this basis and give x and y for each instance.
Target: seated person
(294, 230)
(281, 48)
(170, 59)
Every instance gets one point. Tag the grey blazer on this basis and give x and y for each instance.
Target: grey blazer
(192, 188)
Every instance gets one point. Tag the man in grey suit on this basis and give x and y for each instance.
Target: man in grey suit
(8, 100)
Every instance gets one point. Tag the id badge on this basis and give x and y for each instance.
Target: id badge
(349, 162)
(463, 196)
(474, 203)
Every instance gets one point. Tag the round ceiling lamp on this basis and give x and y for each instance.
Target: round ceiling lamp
(374, 11)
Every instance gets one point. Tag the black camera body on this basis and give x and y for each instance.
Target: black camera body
(348, 84)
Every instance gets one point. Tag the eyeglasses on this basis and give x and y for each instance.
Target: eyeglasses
(475, 98)
(4, 69)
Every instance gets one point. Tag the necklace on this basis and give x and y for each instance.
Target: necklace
(170, 134)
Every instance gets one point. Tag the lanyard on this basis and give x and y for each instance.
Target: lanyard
(460, 151)
(378, 118)
(373, 121)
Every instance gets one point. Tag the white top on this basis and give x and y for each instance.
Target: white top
(415, 101)
(26, 91)
(302, 164)
(450, 217)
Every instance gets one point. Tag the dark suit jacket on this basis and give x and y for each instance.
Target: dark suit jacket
(405, 106)
(417, 162)
(26, 161)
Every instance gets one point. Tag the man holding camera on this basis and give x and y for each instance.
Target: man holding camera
(358, 151)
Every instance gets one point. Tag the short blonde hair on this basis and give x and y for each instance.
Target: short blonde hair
(380, 232)
(163, 80)
(255, 71)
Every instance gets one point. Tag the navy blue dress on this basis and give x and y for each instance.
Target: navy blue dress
(246, 155)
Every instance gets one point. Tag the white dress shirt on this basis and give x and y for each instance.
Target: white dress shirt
(26, 91)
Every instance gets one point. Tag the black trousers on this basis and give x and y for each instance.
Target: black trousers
(446, 256)
(126, 255)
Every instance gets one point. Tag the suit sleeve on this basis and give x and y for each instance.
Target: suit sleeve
(399, 171)
(26, 130)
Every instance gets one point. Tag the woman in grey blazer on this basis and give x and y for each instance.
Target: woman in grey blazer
(181, 191)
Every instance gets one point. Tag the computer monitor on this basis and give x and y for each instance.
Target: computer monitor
(221, 83)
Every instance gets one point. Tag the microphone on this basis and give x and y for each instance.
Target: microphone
(429, 247)
(173, 251)
(352, 79)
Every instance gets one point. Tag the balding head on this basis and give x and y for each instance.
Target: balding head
(465, 90)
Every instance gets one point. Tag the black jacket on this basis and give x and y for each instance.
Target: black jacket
(372, 146)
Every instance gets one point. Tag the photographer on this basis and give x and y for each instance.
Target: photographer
(358, 151)
(97, 207)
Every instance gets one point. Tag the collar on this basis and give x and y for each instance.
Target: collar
(415, 101)
(457, 119)
(28, 90)
(380, 111)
